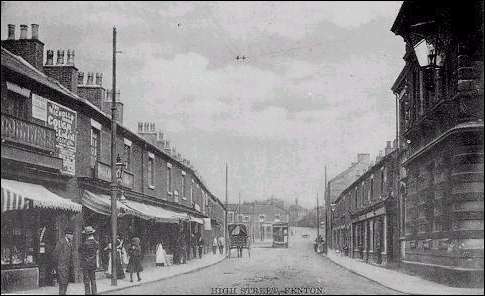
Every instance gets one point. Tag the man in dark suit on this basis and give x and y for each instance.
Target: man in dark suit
(63, 254)
(87, 255)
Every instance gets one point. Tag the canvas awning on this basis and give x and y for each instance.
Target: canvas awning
(149, 212)
(196, 220)
(18, 195)
(101, 204)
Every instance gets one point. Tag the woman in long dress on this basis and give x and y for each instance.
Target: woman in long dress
(135, 259)
(161, 255)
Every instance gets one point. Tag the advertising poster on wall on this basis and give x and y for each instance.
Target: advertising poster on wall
(63, 121)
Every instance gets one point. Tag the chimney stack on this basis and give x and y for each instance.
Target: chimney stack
(11, 32)
(30, 49)
(23, 31)
(50, 58)
(35, 31)
(80, 78)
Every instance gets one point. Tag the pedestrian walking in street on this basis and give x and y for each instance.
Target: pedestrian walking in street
(220, 242)
(214, 246)
(200, 245)
(134, 264)
(63, 255)
(87, 257)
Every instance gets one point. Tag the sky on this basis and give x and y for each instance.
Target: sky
(313, 91)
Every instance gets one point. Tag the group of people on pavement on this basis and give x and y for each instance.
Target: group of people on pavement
(88, 251)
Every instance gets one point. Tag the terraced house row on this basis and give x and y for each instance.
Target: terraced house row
(430, 218)
(56, 139)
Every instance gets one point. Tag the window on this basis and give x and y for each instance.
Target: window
(192, 191)
(127, 156)
(383, 180)
(371, 192)
(150, 173)
(18, 235)
(95, 146)
(182, 186)
(230, 217)
(16, 101)
(169, 178)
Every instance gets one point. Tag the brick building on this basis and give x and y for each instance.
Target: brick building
(440, 100)
(56, 152)
(364, 218)
(259, 216)
(338, 183)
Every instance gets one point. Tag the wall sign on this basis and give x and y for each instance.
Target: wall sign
(63, 120)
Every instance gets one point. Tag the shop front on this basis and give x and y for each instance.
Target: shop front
(31, 219)
(369, 236)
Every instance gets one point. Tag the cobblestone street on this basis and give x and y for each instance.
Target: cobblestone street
(271, 271)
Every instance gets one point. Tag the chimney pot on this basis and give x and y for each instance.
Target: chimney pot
(99, 79)
(70, 57)
(60, 57)
(50, 58)
(80, 78)
(23, 31)
(90, 78)
(11, 32)
(35, 31)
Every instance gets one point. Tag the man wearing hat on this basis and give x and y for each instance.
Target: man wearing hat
(87, 258)
(63, 253)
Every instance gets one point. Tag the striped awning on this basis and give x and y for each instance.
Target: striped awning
(101, 204)
(158, 214)
(18, 195)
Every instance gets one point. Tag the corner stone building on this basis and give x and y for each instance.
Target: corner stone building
(440, 98)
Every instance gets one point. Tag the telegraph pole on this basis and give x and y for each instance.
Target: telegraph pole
(326, 210)
(225, 228)
(114, 185)
(318, 219)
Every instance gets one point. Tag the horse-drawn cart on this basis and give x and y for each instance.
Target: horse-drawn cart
(238, 238)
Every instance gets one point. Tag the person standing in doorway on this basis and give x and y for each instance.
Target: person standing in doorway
(134, 264)
(87, 256)
(63, 256)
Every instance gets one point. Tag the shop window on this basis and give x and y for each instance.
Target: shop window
(18, 238)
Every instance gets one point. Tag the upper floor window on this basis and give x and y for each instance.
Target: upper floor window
(383, 180)
(169, 178)
(182, 186)
(371, 191)
(151, 159)
(230, 217)
(127, 154)
(95, 146)
(15, 102)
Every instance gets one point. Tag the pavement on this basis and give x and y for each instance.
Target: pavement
(397, 280)
(150, 274)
